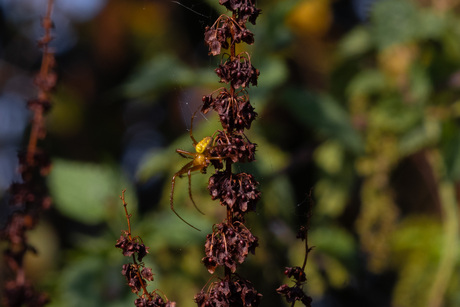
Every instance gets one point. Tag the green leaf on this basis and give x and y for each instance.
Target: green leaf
(394, 22)
(332, 197)
(420, 84)
(163, 73)
(84, 281)
(366, 82)
(272, 160)
(85, 191)
(451, 152)
(391, 114)
(405, 240)
(329, 156)
(399, 22)
(154, 164)
(278, 197)
(165, 230)
(451, 43)
(431, 24)
(357, 42)
(334, 241)
(419, 137)
(274, 72)
(324, 115)
(274, 35)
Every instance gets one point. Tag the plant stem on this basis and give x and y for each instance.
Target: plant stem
(128, 216)
(43, 90)
(451, 228)
(450, 247)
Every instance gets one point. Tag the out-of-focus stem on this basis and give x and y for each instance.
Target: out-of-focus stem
(449, 250)
(450, 243)
(43, 91)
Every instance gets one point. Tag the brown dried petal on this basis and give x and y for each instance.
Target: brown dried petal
(293, 294)
(147, 274)
(238, 191)
(227, 246)
(296, 272)
(238, 292)
(215, 47)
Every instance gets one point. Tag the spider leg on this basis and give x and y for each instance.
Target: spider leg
(182, 171)
(185, 154)
(191, 129)
(216, 158)
(209, 159)
(189, 174)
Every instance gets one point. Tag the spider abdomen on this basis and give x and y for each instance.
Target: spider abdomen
(203, 144)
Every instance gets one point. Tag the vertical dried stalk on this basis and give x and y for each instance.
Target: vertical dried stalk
(30, 197)
(231, 241)
(295, 293)
(135, 272)
(45, 81)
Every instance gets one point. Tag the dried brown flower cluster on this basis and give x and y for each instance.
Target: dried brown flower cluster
(227, 246)
(231, 241)
(237, 192)
(28, 198)
(235, 110)
(238, 72)
(235, 147)
(135, 272)
(228, 31)
(295, 293)
(235, 292)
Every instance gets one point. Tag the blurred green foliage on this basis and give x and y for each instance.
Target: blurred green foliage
(364, 121)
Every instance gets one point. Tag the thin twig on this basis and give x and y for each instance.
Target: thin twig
(43, 77)
(128, 216)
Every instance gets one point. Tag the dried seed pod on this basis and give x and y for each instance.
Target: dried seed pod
(235, 113)
(293, 294)
(296, 272)
(234, 147)
(244, 9)
(236, 292)
(228, 245)
(237, 191)
(131, 247)
(230, 242)
(238, 71)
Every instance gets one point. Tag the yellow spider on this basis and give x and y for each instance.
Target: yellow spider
(201, 159)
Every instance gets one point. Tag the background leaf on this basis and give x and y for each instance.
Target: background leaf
(86, 192)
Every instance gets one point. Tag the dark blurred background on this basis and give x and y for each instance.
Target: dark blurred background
(359, 106)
